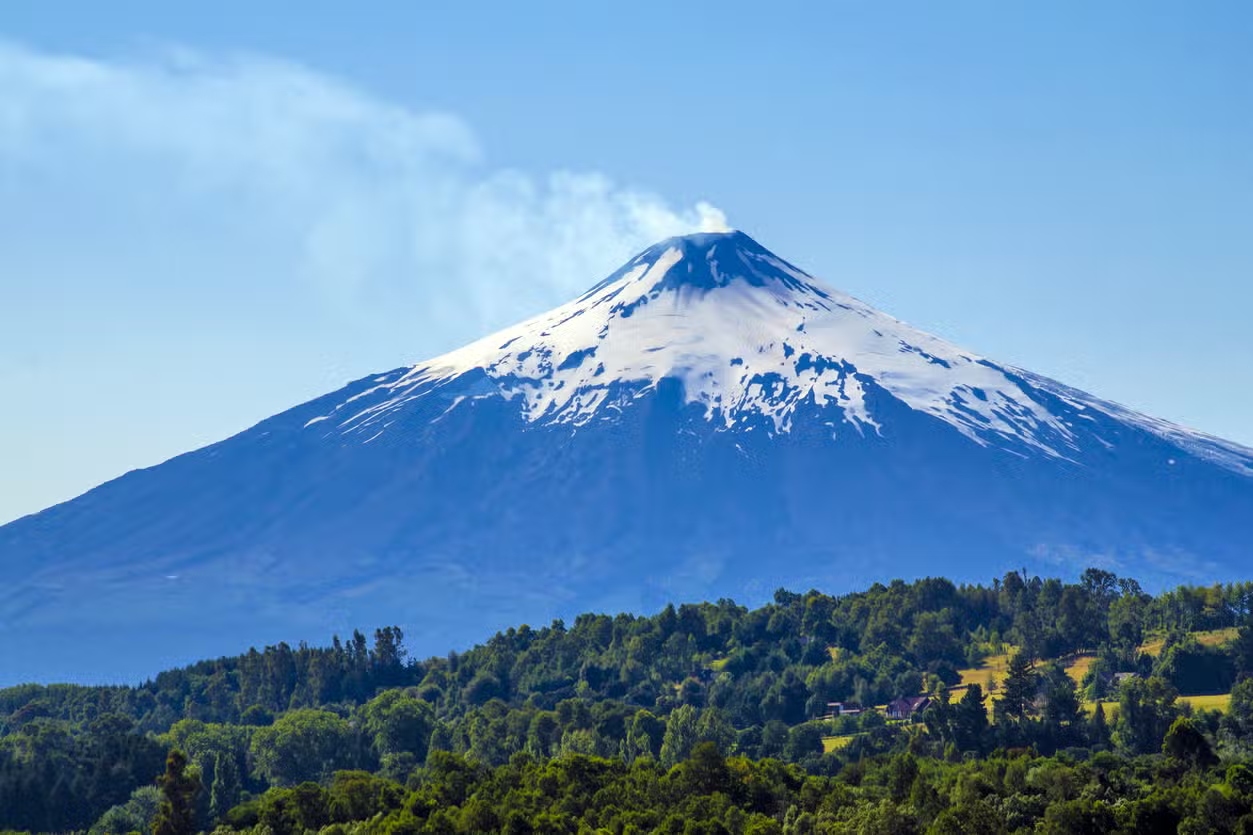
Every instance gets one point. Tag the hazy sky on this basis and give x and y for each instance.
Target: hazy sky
(211, 213)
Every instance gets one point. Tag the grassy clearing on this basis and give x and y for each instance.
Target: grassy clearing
(1078, 666)
(1217, 637)
(1111, 709)
(835, 743)
(995, 666)
(1219, 702)
(1210, 638)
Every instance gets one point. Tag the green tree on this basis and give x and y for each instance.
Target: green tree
(1019, 690)
(202, 742)
(933, 639)
(644, 738)
(1078, 817)
(179, 789)
(1185, 742)
(974, 818)
(1126, 621)
(303, 745)
(680, 736)
(902, 771)
(1098, 728)
(226, 788)
(773, 738)
(803, 741)
(705, 771)
(398, 723)
(1242, 651)
(1061, 705)
(1238, 721)
(1146, 709)
(970, 720)
(135, 815)
(713, 726)
(1077, 620)
(359, 795)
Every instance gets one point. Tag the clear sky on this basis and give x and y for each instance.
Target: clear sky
(210, 212)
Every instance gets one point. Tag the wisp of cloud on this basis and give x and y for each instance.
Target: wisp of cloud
(379, 203)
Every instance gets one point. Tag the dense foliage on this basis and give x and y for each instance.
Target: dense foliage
(705, 717)
(710, 793)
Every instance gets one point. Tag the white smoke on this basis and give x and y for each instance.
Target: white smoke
(377, 205)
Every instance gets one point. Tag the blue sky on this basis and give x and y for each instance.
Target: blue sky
(210, 213)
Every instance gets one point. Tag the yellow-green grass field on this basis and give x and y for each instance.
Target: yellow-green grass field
(1219, 702)
(1210, 638)
(835, 743)
(1111, 708)
(1077, 666)
(995, 666)
(1217, 637)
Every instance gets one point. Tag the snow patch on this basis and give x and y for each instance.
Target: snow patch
(752, 336)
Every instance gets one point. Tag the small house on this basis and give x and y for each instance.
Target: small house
(908, 708)
(844, 708)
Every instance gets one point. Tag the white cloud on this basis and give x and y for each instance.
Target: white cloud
(379, 202)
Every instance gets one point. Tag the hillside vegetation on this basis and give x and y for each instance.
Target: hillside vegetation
(1053, 706)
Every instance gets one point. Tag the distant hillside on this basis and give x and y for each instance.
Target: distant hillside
(766, 683)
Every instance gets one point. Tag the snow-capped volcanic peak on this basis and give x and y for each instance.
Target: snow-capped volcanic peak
(750, 337)
(708, 422)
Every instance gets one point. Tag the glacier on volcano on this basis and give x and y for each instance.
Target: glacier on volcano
(768, 340)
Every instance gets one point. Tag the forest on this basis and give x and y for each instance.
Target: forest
(1025, 705)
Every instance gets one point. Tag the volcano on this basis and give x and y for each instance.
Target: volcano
(709, 421)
